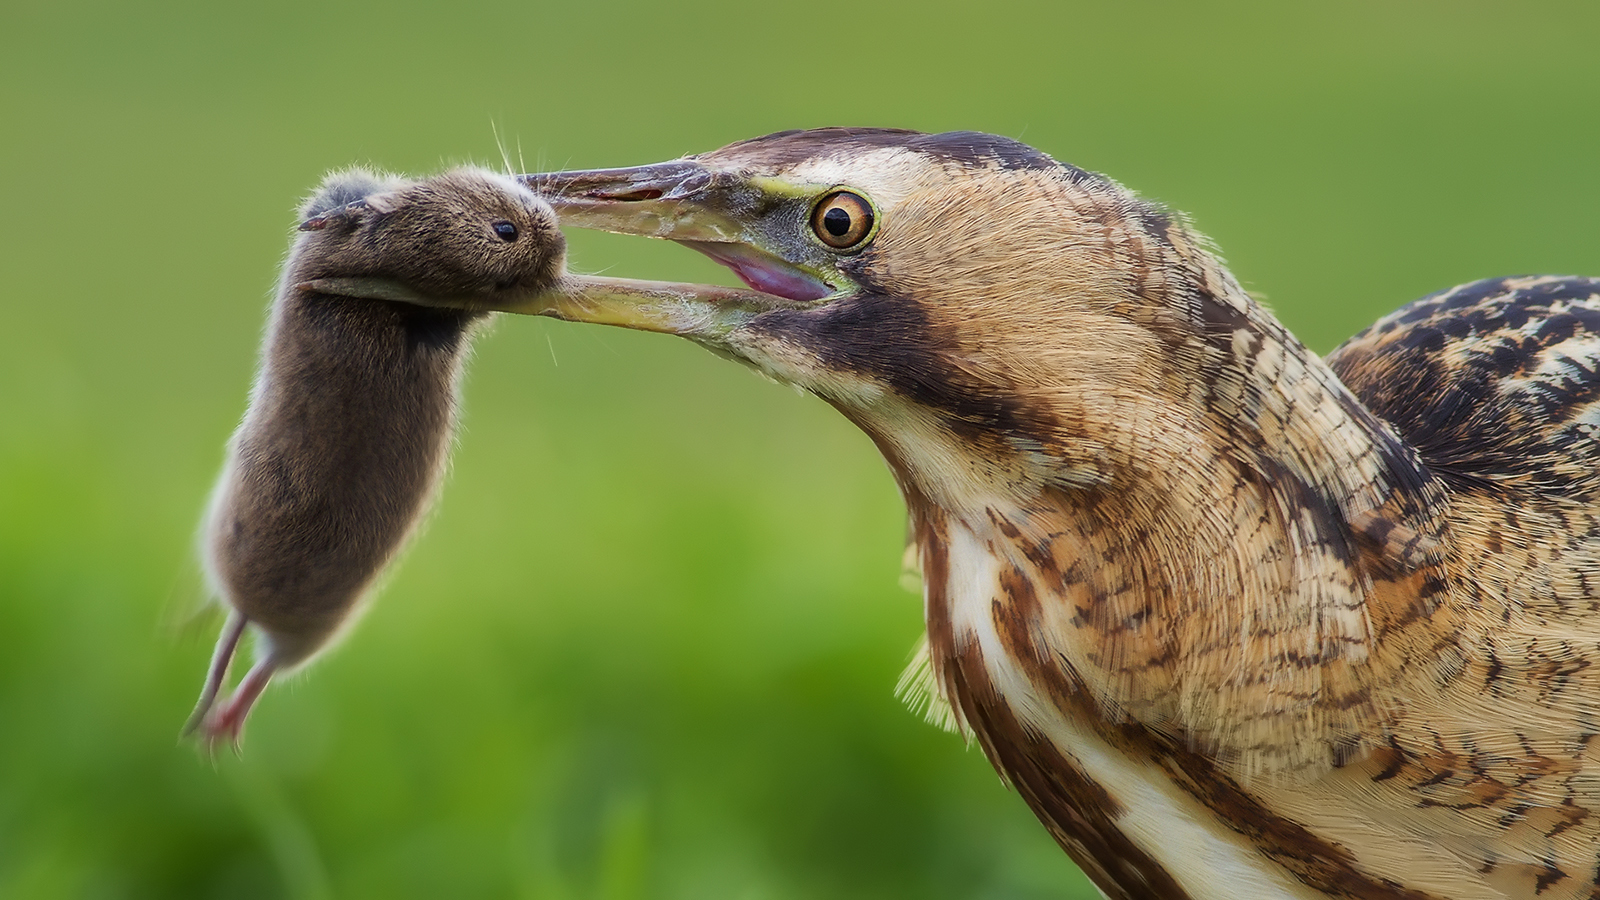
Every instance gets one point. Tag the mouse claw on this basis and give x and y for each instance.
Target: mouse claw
(227, 721)
(221, 728)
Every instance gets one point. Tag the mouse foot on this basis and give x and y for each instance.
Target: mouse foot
(227, 721)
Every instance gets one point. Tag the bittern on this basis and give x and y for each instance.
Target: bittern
(1234, 620)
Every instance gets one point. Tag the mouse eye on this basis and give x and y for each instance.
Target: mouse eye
(504, 230)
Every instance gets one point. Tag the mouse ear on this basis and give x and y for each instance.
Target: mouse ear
(384, 202)
(348, 213)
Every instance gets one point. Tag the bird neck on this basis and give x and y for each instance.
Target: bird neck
(1236, 554)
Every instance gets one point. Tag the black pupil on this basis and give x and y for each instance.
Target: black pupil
(837, 221)
(506, 231)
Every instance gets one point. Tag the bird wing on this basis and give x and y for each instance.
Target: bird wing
(1496, 384)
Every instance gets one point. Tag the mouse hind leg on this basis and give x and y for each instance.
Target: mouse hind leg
(221, 660)
(228, 719)
(216, 721)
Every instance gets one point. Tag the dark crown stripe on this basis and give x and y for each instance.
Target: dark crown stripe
(968, 148)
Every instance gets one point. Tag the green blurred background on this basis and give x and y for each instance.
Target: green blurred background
(647, 646)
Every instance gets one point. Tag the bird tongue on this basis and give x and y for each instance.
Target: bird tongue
(763, 272)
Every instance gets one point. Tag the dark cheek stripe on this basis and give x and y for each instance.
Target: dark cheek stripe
(890, 340)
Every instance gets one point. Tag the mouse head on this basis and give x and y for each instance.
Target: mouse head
(467, 236)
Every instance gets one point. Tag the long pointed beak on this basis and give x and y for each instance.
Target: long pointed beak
(675, 200)
(703, 312)
(681, 201)
(685, 202)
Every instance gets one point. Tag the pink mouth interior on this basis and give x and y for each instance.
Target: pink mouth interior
(762, 272)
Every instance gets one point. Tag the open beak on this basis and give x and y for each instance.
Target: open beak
(677, 200)
(681, 201)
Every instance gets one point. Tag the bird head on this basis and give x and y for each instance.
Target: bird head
(1066, 376)
(976, 307)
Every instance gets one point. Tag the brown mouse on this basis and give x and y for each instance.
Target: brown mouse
(353, 410)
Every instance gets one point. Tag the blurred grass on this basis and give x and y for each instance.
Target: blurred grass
(646, 647)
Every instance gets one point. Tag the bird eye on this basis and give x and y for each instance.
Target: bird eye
(504, 230)
(843, 220)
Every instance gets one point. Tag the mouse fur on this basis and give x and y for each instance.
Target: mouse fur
(354, 406)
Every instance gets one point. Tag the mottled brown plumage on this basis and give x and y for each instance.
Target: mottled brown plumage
(1234, 620)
